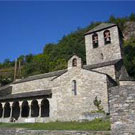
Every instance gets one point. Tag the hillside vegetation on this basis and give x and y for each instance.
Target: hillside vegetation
(55, 56)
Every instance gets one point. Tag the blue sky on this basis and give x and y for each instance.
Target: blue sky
(25, 27)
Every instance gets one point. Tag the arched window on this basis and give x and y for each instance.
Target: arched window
(16, 110)
(74, 89)
(1, 110)
(7, 110)
(107, 38)
(25, 109)
(74, 62)
(95, 40)
(34, 108)
(45, 108)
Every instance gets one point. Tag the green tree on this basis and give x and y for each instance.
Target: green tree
(112, 19)
(132, 17)
(59, 64)
(21, 58)
(7, 63)
(28, 58)
(129, 56)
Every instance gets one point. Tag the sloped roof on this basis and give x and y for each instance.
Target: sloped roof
(5, 87)
(40, 76)
(101, 27)
(89, 67)
(41, 93)
(5, 90)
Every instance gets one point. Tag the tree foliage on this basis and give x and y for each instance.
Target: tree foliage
(129, 56)
(120, 21)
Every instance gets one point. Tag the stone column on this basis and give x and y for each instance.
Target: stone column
(39, 104)
(29, 103)
(20, 105)
(3, 104)
(11, 106)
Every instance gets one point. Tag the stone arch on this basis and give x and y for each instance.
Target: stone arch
(74, 62)
(45, 109)
(1, 110)
(25, 109)
(7, 110)
(107, 37)
(16, 110)
(95, 40)
(34, 108)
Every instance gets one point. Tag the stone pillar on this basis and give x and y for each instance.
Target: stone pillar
(3, 104)
(20, 105)
(29, 103)
(11, 106)
(39, 104)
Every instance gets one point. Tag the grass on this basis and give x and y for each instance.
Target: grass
(96, 125)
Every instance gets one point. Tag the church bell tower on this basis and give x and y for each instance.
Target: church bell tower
(103, 44)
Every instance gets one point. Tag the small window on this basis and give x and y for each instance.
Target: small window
(102, 56)
(74, 62)
(107, 38)
(74, 89)
(95, 40)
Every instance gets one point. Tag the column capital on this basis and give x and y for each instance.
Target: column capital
(20, 102)
(3, 104)
(29, 102)
(39, 101)
(11, 103)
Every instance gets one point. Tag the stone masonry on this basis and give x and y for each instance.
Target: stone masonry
(122, 109)
(103, 53)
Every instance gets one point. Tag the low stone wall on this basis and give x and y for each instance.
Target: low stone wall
(4, 131)
(122, 110)
(91, 116)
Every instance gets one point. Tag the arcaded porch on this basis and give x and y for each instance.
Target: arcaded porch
(25, 107)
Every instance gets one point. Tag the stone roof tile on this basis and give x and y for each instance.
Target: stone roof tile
(100, 27)
(89, 67)
(40, 76)
(41, 93)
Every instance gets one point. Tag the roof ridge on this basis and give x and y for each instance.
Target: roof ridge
(46, 73)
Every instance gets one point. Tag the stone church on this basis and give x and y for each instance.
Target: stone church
(66, 95)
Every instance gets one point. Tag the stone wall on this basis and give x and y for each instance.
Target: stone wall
(127, 83)
(122, 110)
(34, 85)
(104, 52)
(109, 70)
(89, 85)
(4, 131)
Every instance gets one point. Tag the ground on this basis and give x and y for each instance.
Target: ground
(96, 125)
